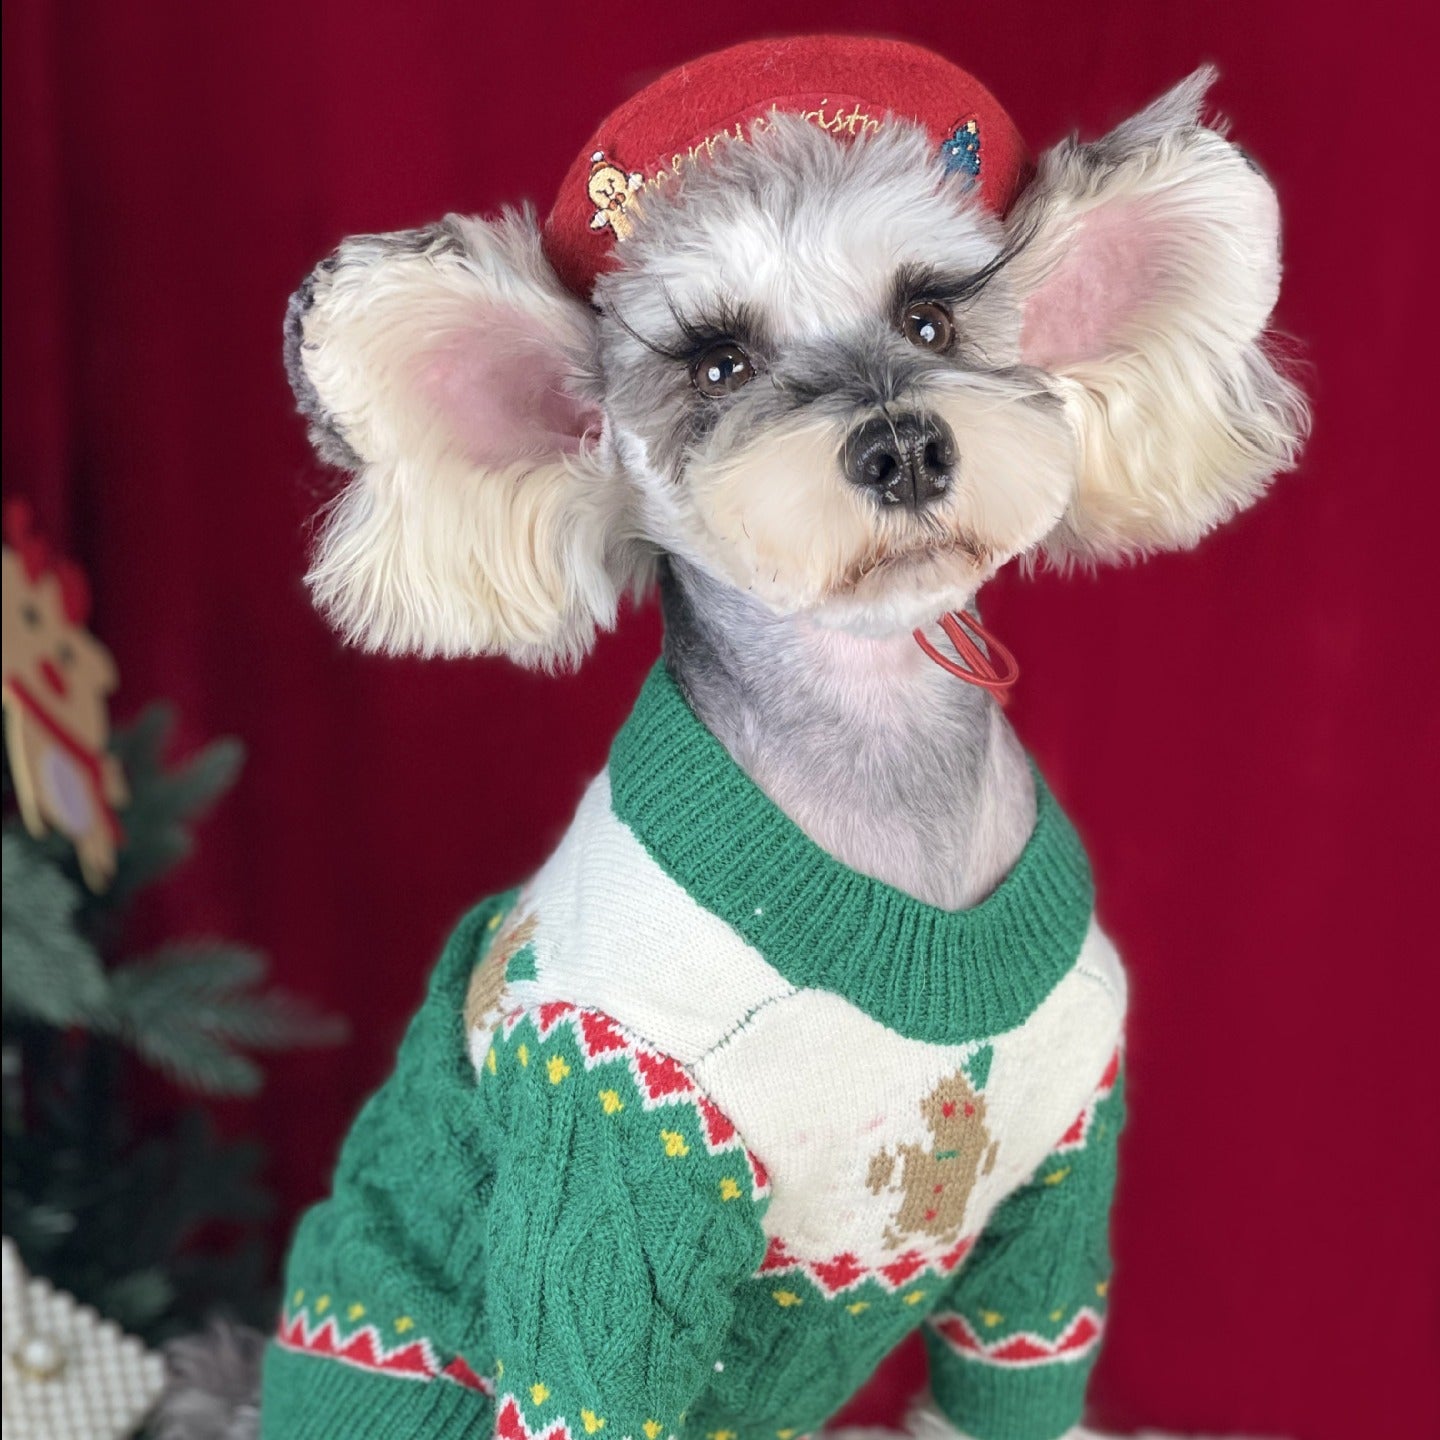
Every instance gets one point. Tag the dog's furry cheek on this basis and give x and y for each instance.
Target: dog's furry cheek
(778, 519)
(1017, 470)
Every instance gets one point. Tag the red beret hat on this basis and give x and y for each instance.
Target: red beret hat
(845, 84)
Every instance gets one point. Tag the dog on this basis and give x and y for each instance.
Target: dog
(805, 1038)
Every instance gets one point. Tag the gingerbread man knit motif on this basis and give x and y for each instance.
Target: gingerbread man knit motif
(696, 1126)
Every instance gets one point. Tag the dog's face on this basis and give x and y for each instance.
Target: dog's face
(809, 364)
(822, 372)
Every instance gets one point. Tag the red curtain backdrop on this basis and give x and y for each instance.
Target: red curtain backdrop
(1246, 735)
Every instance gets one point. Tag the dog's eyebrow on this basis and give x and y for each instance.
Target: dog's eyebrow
(918, 282)
(689, 334)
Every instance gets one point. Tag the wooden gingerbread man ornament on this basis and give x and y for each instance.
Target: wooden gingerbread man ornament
(54, 682)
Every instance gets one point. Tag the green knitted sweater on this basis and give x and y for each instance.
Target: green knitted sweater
(695, 1127)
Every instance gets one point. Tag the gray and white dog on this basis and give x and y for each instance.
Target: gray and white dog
(823, 398)
(907, 394)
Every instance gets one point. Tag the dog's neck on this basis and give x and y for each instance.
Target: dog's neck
(897, 769)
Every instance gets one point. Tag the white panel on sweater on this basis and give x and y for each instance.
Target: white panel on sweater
(818, 1088)
(617, 934)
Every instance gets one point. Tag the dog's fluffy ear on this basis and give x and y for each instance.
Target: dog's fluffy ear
(438, 366)
(1148, 264)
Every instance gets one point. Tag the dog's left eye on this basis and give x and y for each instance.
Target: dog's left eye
(929, 325)
(721, 369)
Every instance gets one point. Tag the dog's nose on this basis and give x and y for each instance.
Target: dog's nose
(906, 460)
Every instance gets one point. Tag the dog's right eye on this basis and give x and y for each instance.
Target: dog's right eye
(721, 369)
(928, 325)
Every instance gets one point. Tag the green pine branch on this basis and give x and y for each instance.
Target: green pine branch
(51, 971)
(190, 1009)
(187, 1008)
(164, 799)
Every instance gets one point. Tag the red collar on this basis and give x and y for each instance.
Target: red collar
(975, 666)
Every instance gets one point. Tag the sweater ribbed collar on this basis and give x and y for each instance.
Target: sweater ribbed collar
(937, 975)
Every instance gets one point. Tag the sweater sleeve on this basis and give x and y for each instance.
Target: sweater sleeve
(624, 1215)
(1012, 1347)
(379, 1336)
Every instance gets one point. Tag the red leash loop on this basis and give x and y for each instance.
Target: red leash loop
(978, 668)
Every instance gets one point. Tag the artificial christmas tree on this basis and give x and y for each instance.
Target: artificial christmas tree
(140, 1210)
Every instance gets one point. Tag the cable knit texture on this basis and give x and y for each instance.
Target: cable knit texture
(698, 1124)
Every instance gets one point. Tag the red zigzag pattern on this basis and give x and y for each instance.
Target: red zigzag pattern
(510, 1424)
(842, 1272)
(1023, 1348)
(363, 1348)
(660, 1078)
